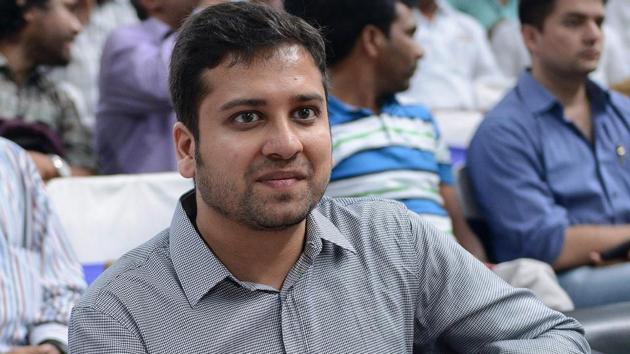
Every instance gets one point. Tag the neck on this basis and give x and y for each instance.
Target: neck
(568, 89)
(262, 257)
(20, 63)
(354, 84)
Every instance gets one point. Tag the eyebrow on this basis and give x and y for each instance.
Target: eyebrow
(259, 102)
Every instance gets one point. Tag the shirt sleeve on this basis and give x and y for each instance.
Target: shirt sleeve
(61, 277)
(134, 74)
(467, 308)
(443, 157)
(88, 329)
(507, 177)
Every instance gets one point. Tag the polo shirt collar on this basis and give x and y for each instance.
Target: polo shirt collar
(199, 270)
(342, 112)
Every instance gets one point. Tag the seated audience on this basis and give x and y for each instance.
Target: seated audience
(35, 112)
(618, 18)
(81, 74)
(40, 277)
(458, 70)
(548, 163)
(488, 12)
(134, 117)
(387, 149)
(256, 261)
(513, 57)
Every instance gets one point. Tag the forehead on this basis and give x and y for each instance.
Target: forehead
(578, 7)
(284, 68)
(404, 17)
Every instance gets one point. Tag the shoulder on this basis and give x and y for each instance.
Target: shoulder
(134, 273)
(621, 103)
(375, 224)
(125, 36)
(411, 111)
(510, 122)
(510, 113)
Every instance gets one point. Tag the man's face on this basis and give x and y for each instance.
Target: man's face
(263, 158)
(571, 39)
(400, 55)
(51, 31)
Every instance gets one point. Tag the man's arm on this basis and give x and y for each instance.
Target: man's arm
(464, 235)
(47, 169)
(582, 240)
(61, 276)
(466, 307)
(521, 211)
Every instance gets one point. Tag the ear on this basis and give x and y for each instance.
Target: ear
(148, 5)
(185, 150)
(372, 40)
(531, 35)
(30, 14)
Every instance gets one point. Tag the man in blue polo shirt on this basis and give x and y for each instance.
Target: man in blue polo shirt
(547, 164)
(380, 147)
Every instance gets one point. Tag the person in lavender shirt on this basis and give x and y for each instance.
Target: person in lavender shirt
(134, 114)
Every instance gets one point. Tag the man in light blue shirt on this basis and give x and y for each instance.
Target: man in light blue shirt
(548, 163)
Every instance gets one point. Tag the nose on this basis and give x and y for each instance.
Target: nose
(282, 142)
(75, 25)
(593, 32)
(418, 50)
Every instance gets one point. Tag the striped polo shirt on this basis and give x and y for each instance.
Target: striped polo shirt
(396, 154)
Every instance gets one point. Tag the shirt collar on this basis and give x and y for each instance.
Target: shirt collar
(199, 270)
(34, 77)
(539, 100)
(340, 109)
(320, 227)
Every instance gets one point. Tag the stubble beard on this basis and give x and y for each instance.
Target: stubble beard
(251, 208)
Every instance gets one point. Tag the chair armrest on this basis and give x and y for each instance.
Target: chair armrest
(607, 327)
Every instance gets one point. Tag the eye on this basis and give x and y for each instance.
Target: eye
(305, 113)
(247, 118)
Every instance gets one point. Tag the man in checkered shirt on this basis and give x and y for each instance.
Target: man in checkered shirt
(257, 261)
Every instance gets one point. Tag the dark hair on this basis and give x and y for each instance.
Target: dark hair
(12, 15)
(535, 12)
(341, 21)
(237, 30)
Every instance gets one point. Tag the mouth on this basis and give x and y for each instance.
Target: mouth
(590, 54)
(281, 179)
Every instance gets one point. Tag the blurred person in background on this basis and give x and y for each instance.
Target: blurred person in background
(34, 111)
(488, 12)
(134, 116)
(40, 276)
(80, 76)
(458, 70)
(548, 164)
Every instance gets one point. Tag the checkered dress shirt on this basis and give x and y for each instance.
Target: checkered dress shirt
(373, 278)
